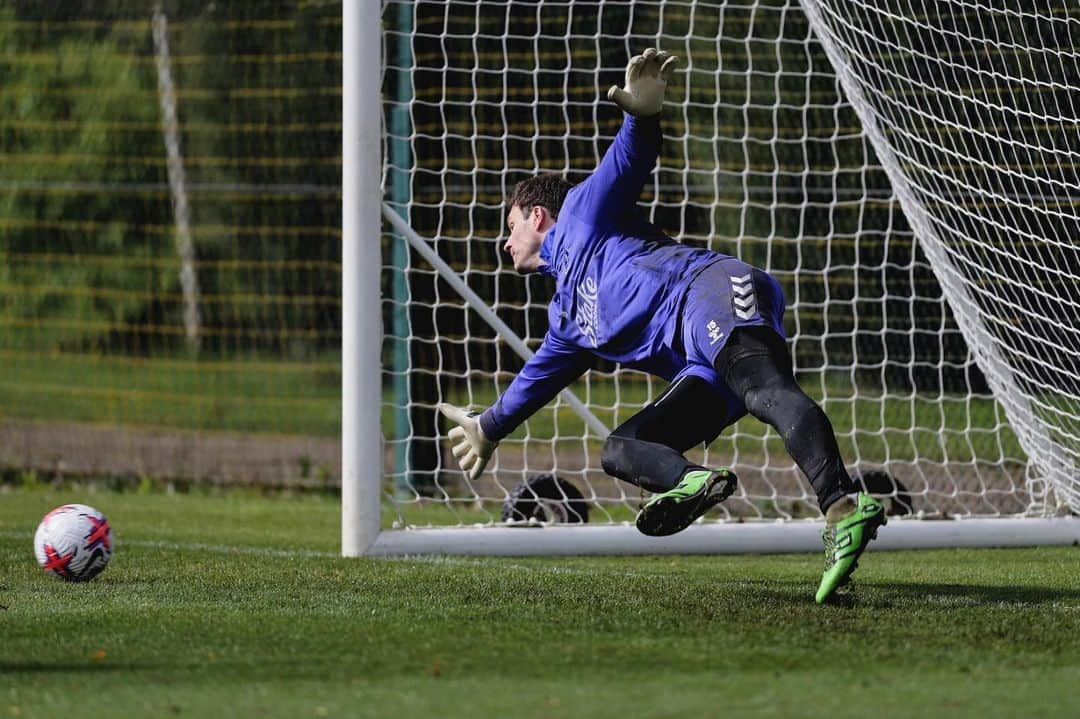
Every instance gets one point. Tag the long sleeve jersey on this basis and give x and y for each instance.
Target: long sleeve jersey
(619, 283)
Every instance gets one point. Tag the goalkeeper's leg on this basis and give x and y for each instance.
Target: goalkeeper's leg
(755, 364)
(647, 451)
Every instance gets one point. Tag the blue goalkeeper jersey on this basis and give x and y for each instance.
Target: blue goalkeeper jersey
(619, 283)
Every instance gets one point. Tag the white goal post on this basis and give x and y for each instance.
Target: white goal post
(907, 171)
(361, 332)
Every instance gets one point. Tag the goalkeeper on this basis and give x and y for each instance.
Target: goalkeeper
(709, 323)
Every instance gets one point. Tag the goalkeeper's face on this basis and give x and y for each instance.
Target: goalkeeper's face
(526, 235)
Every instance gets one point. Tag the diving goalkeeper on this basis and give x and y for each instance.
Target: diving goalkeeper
(710, 324)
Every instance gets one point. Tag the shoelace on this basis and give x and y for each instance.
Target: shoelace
(829, 537)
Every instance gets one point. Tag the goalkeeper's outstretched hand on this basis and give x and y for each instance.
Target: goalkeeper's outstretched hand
(647, 76)
(470, 446)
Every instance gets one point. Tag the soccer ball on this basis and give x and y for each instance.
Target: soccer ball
(73, 542)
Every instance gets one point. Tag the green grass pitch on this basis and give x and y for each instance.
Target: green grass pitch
(236, 605)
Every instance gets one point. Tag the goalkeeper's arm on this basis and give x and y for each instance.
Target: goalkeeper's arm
(554, 366)
(616, 183)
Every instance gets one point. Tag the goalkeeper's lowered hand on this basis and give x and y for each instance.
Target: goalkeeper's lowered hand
(470, 446)
(647, 76)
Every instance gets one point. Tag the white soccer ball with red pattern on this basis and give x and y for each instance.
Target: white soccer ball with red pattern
(73, 542)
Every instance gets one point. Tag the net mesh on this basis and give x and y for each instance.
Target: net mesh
(973, 110)
(764, 158)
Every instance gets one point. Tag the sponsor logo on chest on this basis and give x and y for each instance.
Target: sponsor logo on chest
(588, 309)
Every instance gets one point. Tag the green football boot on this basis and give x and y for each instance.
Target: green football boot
(845, 541)
(676, 509)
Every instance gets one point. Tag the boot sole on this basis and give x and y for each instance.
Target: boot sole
(667, 516)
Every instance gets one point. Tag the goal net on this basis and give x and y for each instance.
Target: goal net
(972, 109)
(907, 171)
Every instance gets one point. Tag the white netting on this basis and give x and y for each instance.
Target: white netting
(973, 108)
(764, 158)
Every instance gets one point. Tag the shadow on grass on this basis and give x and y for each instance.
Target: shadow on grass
(929, 595)
(35, 667)
(984, 594)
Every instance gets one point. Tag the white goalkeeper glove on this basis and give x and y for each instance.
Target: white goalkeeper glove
(471, 447)
(647, 76)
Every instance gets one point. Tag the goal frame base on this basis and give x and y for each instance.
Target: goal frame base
(719, 538)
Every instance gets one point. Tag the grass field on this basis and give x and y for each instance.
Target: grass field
(232, 604)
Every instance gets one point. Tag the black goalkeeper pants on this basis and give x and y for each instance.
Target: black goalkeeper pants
(647, 449)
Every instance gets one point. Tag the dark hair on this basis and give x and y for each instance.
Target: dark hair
(548, 191)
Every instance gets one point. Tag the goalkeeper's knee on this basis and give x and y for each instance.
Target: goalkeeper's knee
(651, 466)
(611, 456)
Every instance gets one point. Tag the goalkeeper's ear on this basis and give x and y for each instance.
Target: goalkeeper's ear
(540, 217)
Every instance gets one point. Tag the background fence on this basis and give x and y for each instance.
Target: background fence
(112, 362)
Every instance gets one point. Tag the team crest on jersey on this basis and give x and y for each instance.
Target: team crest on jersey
(563, 263)
(588, 311)
(742, 294)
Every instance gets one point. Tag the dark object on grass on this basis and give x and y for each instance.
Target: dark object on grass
(875, 481)
(546, 498)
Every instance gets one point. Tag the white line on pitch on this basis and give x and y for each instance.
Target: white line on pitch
(312, 553)
(201, 547)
